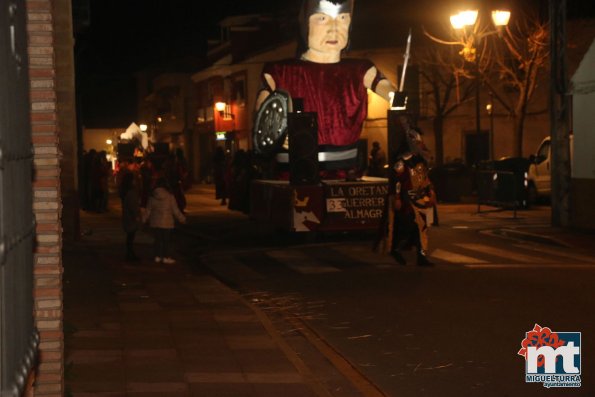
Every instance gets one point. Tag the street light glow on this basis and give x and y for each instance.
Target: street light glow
(108, 141)
(220, 106)
(143, 127)
(500, 17)
(456, 21)
(469, 17)
(463, 18)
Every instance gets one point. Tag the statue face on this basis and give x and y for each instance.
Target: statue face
(328, 33)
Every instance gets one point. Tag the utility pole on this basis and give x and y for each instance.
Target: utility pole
(559, 115)
(477, 99)
(490, 109)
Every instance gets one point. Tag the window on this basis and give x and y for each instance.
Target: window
(201, 115)
(239, 93)
(543, 152)
(238, 89)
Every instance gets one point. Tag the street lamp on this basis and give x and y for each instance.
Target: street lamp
(466, 23)
(500, 17)
(220, 107)
(463, 18)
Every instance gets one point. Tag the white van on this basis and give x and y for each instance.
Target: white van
(539, 176)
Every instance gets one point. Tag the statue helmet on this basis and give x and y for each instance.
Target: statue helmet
(311, 7)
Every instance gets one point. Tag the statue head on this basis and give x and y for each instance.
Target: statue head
(417, 147)
(410, 143)
(324, 27)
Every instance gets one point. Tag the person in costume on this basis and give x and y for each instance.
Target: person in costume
(410, 196)
(377, 160)
(333, 87)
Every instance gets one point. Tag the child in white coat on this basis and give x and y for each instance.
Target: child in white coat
(161, 212)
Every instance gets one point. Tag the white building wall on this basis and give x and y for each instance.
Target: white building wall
(582, 212)
(583, 165)
(583, 102)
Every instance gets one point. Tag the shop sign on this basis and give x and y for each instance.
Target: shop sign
(221, 135)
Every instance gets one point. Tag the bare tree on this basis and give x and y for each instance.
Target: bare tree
(446, 86)
(508, 60)
(515, 70)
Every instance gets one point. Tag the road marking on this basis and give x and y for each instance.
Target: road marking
(300, 262)
(453, 257)
(575, 256)
(499, 252)
(530, 266)
(364, 254)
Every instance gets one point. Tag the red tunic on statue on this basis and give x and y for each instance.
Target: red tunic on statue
(335, 91)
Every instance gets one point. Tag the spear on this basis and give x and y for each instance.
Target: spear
(399, 101)
(406, 56)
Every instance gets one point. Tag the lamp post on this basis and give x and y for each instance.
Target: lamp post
(466, 24)
(477, 99)
(490, 109)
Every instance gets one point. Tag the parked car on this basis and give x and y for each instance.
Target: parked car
(503, 182)
(540, 175)
(452, 181)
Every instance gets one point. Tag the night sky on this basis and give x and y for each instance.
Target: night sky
(125, 36)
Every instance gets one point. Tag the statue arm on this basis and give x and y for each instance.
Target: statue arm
(375, 81)
(269, 86)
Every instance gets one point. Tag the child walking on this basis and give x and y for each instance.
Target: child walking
(161, 212)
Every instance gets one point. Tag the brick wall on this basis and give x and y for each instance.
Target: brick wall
(47, 199)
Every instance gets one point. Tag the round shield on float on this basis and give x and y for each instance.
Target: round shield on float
(270, 127)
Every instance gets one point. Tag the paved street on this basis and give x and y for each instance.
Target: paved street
(451, 330)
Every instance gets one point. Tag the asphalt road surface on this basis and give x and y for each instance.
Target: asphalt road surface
(450, 330)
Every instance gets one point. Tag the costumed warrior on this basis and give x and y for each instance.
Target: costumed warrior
(410, 195)
(334, 88)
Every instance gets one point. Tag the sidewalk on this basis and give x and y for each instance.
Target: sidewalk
(147, 329)
(530, 225)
